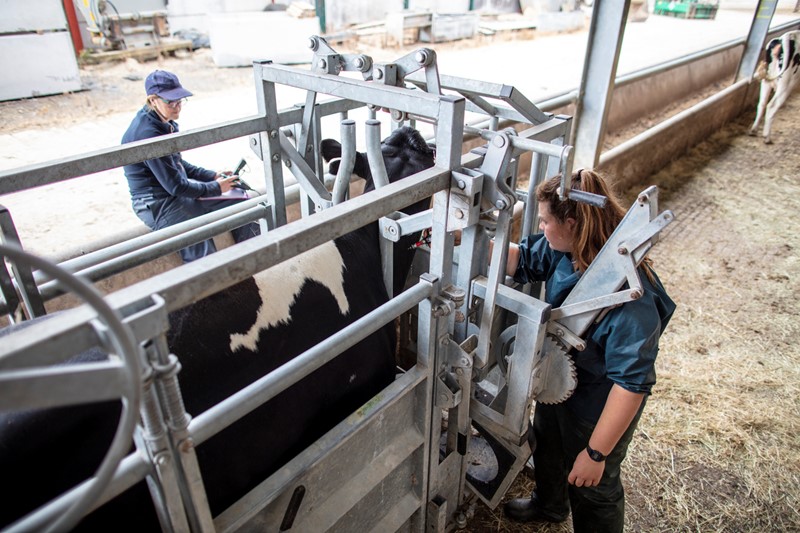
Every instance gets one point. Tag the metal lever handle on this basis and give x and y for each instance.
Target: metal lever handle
(597, 200)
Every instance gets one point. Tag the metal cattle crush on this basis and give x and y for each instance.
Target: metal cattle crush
(413, 457)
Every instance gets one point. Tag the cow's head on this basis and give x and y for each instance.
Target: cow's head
(405, 153)
(774, 51)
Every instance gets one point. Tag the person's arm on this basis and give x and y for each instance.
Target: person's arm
(199, 173)
(225, 178)
(620, 409)
(513, 258)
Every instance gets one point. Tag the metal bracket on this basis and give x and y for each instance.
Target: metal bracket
(497, 187)
(328, 61)
(464, 208)
(395, 73)
(457, 372)
(398, 224)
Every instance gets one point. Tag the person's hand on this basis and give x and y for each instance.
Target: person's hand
(585, 472)
(226, 182)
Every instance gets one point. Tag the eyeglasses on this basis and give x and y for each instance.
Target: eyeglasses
(173, 103)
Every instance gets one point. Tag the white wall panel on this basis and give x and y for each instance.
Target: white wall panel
(31, 15)
(239, 38)
(37, 65)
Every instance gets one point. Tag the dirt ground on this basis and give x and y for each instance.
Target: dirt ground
(717, 448)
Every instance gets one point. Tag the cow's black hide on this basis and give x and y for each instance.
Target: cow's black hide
(44, 453)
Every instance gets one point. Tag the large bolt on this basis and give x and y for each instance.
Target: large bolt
(379, 74)
(461, 184)
(500, 204)
(273, 134)
(359, 62)
(254, 141)
(622, 250)
(323, 64)
(276, 158)
(459, 214)
(499, 141)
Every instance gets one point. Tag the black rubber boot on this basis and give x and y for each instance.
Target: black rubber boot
(528, 510)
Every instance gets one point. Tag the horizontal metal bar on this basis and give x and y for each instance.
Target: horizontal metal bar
(514, 300)
(57, 170)
(475, 88)
(143, 255)
(522, 143)
(211, 422)
(192, 281)
(39, 388)
(417, 102)
(684, 115)
(690, 58)
(94, 258)
(30, 176)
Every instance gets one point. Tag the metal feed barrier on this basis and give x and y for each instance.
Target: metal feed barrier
(477, 335)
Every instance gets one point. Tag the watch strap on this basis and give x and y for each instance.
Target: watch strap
(594, 455)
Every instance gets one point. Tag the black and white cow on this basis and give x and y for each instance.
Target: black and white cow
(225, 342)
(782, 73)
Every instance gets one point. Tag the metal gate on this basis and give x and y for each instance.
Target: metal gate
(390, 465)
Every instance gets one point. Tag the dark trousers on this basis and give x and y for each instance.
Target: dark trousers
(162, 213)
(560, 437)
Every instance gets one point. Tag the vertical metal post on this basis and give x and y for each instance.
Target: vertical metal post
(320, 10)
(597, 82)
(449, 139)
(26, 285)
(538, 165)
(756, 39)
(167, 366)
(268, 144)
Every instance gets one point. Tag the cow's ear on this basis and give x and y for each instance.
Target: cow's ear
(331, 149)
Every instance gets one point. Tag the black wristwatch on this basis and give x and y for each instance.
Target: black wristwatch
(594, 455)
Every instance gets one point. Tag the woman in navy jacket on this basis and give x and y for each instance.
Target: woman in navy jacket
(166, 190)
(580, 443)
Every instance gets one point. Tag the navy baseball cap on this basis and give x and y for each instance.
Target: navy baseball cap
(166, 85)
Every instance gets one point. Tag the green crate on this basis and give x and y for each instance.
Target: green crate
(687, 9)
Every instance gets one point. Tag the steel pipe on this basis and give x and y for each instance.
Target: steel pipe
(374, 155)
(347, 162)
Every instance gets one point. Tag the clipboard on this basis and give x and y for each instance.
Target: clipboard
(233, 194)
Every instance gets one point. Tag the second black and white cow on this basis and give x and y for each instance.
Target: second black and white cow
(782, 73)
(225, 342)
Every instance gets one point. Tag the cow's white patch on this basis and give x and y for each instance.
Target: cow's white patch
(279, 286)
